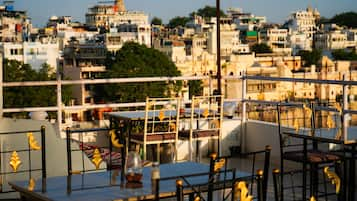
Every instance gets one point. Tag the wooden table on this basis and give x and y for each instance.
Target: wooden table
(105, 186)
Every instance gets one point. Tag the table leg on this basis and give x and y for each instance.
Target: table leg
(304, 171)
(352, 174)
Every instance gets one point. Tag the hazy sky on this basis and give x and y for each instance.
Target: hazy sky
(274, 10)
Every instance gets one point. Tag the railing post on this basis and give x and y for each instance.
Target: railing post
(344, 107)
(244, 112)
(276, 173)
(266, 171)
(260, 189)
(69, 154)
(179, 190)
(59, 101)
(43, 154)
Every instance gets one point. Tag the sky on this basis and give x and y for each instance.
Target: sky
(275, 10)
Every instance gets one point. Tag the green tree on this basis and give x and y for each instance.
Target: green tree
(156, 21)
(135, 60)
(195, 88)
(207, 12)
(344, 55)
(34, 96)
(178, 21)
(310, 57)
(348, 19)
(261, 48)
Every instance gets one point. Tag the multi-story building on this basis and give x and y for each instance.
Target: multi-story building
(34, 53)
(246, 21)
(276, 39)
(111, 15)
(83, 61)
(14, 25)
(117, 36)
(299, 41)
(304, 21)
(331, 40)
(229, 37)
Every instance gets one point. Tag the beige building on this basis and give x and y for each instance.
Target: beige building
(111, 15)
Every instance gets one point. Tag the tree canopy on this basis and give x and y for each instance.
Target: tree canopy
(156, 21)
(178, 21)
(344, 55)
(207, 12)
(135, 60)
(261, 48)
(348, 19)
(310, 57)
(36, 96)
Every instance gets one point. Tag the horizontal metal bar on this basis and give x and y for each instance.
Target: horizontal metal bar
(304, 80)
(21, 132)
(102, 81)
(88, 130)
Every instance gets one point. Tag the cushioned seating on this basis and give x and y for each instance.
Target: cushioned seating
(311, 157)
(198, 133)
(154, 137)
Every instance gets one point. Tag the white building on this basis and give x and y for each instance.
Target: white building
(277, 39)
(229, 37)
(331, 40)
(245, 21)
(304, 21)
(299, 41)
(117, 36)
(33, 53)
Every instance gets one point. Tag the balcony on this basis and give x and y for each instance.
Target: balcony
(247, 125)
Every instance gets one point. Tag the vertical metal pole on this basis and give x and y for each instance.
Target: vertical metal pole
(276, 173)
(244, 113)
(43, 146)
(219, 76)
(260, 189)
(1, 88)
(266, 171)
(345, 107)
(69, 154)
(213, 158)
(59, 101)
(179, 190)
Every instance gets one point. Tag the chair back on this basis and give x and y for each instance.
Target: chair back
(205, 121)
(23, 154)
(258, 162)
(93, 150)
(161, 122)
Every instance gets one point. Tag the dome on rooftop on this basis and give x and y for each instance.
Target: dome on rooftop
(54, 17)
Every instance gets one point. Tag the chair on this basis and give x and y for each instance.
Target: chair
(205, 122)
(223, 176)
(93, 157)
(330, 177)
(238, 189)
(300, 148)
(23, 158)
(160, 125)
